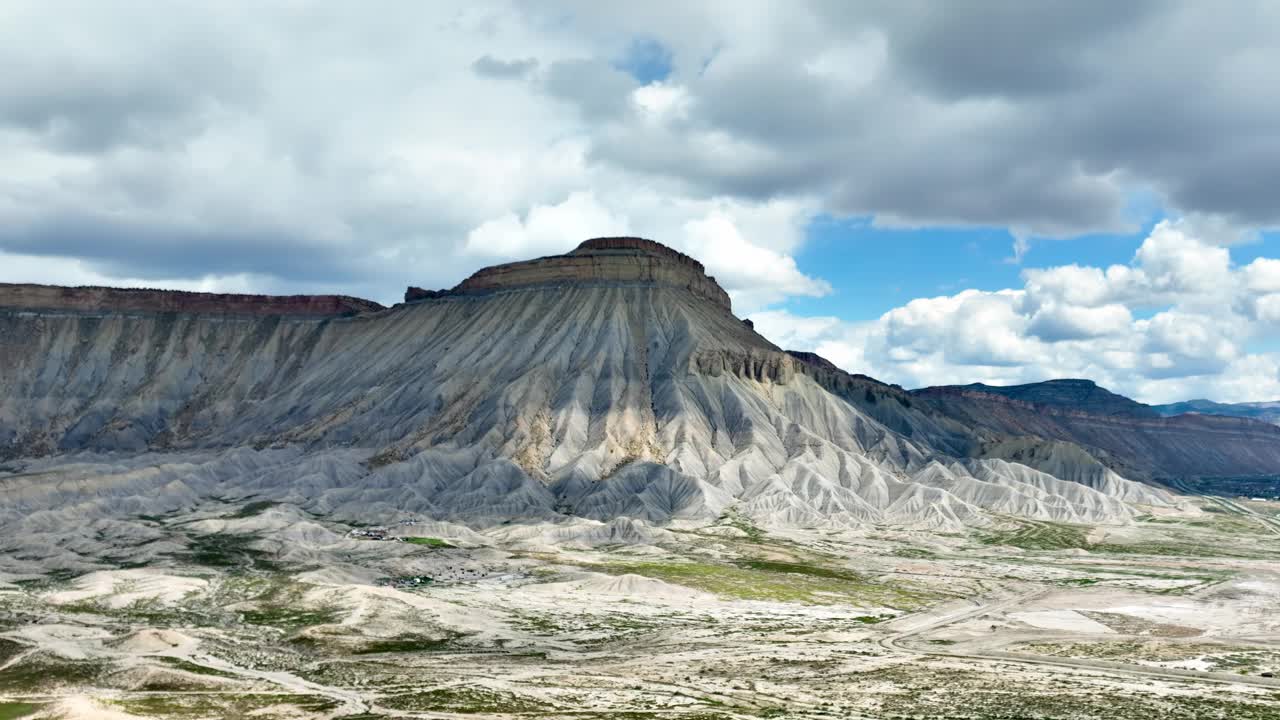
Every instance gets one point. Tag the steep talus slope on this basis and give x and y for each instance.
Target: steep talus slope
(893, 407)
(610, 382)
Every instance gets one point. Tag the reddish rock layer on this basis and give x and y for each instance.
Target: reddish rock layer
(622, 260)
(97, 299)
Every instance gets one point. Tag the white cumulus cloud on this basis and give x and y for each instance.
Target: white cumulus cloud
(1174, 324)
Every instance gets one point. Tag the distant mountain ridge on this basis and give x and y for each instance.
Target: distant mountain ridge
(1264, 411)
(1129, 437)
(1073, 393)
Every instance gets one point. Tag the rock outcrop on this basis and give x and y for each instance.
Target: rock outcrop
(105, 299)
(604, 260)
(416, 294)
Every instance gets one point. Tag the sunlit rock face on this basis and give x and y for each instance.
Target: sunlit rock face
(610, 382)
(605, 260)
(104, 299)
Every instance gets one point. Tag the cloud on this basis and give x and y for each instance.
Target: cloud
(1176, 323)
(1054, 322)
(324, 145)
(1263, 275)
(1046, 119)
(1175, 262)
(546, 230)
(305, 146)
(489, 66)
(758, 276)
(599, 90)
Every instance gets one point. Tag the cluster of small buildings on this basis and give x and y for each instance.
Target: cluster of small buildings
(380, 533)
(406, 583)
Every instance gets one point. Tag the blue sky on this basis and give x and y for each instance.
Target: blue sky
(873, 270)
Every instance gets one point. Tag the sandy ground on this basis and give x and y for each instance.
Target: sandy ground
(701, 622)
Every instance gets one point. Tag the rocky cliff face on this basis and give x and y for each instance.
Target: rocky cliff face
(118, 300)
(604, 260)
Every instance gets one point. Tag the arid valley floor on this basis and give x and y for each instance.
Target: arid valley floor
(1172, 616)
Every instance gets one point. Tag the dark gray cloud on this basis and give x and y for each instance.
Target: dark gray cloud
(489, 66)
(171, 249)
(317, 143)
(86, 91)
(1046, 117)
(1010, 48)
(597, 88)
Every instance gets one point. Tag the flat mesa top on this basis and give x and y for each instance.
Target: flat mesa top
(603, 259)
(634, 245)
(26, 296)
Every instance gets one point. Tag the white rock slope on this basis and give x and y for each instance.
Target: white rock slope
(550, 390)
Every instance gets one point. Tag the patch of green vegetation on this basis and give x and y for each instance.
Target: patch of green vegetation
(408, 643)
(227, 705)
(732, 519)
(541, 624)
(872, 619)
(774, 566)
(776, 581)
(9, 649)
(1040, 535)
(50, 579)
(188, 666)
(290, 618)
(1220, 658)
(15, 710)
(1171, 549)
(429, 542)
(919, 692)
(466, 701)
(252, 509)
(227, 550)
(1031, 535)
(914, 553)
(35, 674)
